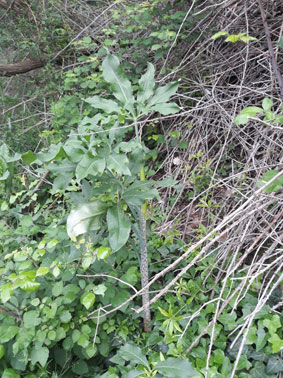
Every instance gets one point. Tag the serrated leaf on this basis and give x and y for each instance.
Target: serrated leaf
(219, 34)
(134, 354)
(175, 368)
(113, 74)
(146, 84)
(267, 103)
(119, 227)
(163, 94)
(85, 217)
(108, 106)
(87, 299)
(166, 108)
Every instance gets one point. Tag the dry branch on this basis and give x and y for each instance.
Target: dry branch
(22, 67)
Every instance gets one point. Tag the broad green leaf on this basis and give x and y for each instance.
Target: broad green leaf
(134, 354)
(29, 157)
(139, 192)
(87, 299)
(80, 367)
(274, 365)
(119, 227)
(70, 293)
(29, 285)
(163, 94)
(175, 368)
(31, 319)
(258, 371)
(261, 339)
(156, 46)
(52, 243)
(133, 374)
(233, 38)
(146, 84)
(2, 351)
(76, 335)
(219, 356)
(42, 271)
(274, 187)
(103, 252)
(56, 151)
(5, 175)
(65, 316)
(91, 350)
(267, 103)
(90, 165)
(7, 333)
(118, 163)
(85, 217)
(252, 111)
(113, 74)
(100, 289)
(64, 171)
(280, 43)
(108, 106)
(39, 354)
(6, 291)
(83, 341)
(218, 34)
(247, 38)
(241, 119)
(276, 342)
(166, 108)
(10, 373)
(57, 288)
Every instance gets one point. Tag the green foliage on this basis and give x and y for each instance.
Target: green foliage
(252, 111)
(244, 37)
(139, 366)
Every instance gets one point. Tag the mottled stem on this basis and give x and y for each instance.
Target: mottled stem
(144, 272)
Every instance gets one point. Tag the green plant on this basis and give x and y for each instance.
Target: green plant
(101, 152)
(244, 37)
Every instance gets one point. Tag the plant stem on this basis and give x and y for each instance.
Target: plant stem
(144, 272)
(143, 257)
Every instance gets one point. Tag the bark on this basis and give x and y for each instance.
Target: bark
(22, 67)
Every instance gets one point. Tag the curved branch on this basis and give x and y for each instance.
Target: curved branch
(22, 67)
